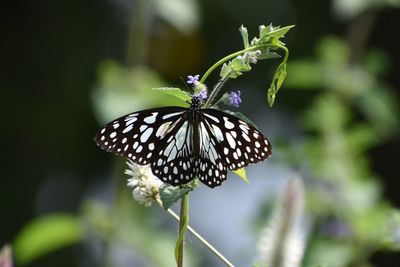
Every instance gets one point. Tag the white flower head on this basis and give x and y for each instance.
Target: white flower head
(145, 186)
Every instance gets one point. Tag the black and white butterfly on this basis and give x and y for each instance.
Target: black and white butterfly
(183, 143)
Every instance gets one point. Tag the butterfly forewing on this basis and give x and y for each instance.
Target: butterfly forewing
(239, 143)
(136, 136)
(183, 143)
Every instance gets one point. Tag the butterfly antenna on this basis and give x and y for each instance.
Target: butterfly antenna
(184, 82)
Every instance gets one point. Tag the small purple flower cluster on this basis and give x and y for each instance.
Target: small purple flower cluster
(194, 80)
(202, 95)
(234, 98)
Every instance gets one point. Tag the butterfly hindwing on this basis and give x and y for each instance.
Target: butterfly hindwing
(211, 168)
(174, 162)
(240, 143)
(136, 136)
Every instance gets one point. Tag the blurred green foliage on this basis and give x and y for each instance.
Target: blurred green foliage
(349, 216)
(45, 235)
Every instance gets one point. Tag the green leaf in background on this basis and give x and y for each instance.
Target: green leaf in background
(171, 194)
(173, 91)
(242, 174)
(46, 234)
(184, 15)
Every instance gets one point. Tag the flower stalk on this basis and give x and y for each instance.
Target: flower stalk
(183, 224)
(202, 240)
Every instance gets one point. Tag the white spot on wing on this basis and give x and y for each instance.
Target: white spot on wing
(167, 116)
(127, 129)
(129, 121)
(145, 136)
(228, 125)
(211, 117)
(230, 139)
(162, 130)
(151, 119)
(218, 133)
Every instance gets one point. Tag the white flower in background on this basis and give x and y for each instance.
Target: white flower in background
(145, 186)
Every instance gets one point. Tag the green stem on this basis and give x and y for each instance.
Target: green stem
(223, 60)
(202, 240)
(286, 56)
(215, 91)
(183, 223)
(219, 85)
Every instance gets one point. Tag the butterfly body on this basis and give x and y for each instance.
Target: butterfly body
(183, 143)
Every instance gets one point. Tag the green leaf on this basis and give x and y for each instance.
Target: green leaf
(239, 66)
(269, 32)
(278, 32)
(271, 95)
(171, 194)
(268, 55)
(173, 91)
(264, 31)
(46, 234)
(242, 174)
(225, 70)
(276, 83)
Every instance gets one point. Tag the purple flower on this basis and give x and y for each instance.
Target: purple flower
(234, 98)
(202, 95)
(193, 79)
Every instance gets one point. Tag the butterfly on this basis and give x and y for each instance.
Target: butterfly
(183, 143)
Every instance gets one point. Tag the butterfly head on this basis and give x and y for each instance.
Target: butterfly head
(196, 103)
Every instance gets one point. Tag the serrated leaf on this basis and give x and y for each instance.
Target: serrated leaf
(242, 174)
(171, 194)
(270, 32)
(174, 91)
(242, 117)
(280, 32)
(45, 235)
(239, 66)
(225, 70)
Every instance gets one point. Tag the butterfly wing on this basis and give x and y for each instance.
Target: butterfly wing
(236, 143)
(137, 136)
(175, 162)
(210, 165)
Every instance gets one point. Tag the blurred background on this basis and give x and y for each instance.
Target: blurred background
(68, 67)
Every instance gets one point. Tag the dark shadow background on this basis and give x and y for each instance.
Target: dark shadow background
(50, 51)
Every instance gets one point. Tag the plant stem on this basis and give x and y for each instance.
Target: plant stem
(215, 91)
(233, 55)
(202, 240)
(183, 223)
